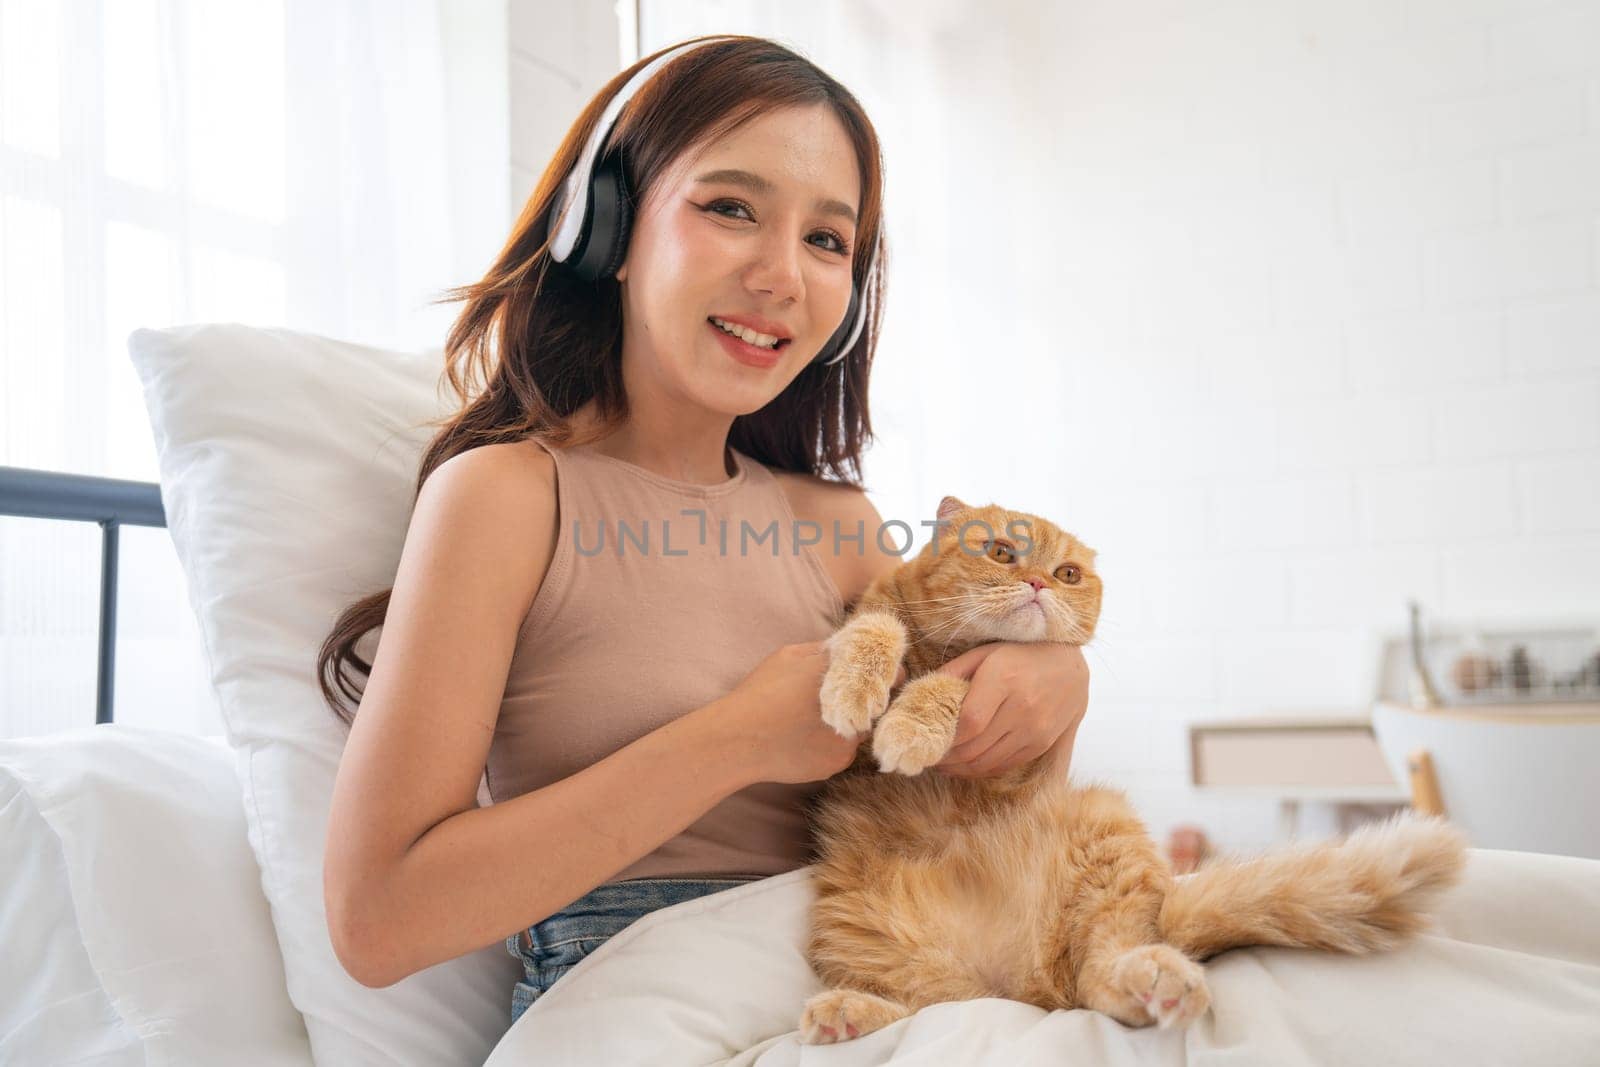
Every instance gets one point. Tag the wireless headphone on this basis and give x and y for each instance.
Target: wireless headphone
(593, 243)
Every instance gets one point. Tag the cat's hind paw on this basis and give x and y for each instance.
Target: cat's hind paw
(1157, 983)
(842, 1014)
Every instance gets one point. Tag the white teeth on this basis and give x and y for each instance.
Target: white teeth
(747, 334)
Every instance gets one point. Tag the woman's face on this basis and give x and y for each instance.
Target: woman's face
(773, 250)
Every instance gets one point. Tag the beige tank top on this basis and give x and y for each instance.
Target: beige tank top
(660, 597)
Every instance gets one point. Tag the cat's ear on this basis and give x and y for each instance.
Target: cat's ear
(949, 506)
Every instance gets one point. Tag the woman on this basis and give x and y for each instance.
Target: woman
(646, 723)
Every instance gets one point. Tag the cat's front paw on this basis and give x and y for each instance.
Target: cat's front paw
(905, 744)
(1157, 983)
(850, 703)
(863, 659)
(920, 725)
(842, 1014)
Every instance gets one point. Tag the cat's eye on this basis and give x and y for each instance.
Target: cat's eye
(1069, 573)
(999, 551)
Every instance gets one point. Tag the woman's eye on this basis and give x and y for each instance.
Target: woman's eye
(1069, 574)
(1000, 552)
(726, 203)
(840, 245)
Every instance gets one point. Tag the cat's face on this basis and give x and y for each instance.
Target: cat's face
(998, 575)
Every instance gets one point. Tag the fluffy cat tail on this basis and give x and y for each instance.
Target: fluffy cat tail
(1367, 892)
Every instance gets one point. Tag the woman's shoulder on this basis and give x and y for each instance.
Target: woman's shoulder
(820, 497)
(505, 494)
(853, 564)
(521, 472)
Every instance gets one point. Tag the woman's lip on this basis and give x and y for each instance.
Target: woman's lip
(743, 351)
(759, 325)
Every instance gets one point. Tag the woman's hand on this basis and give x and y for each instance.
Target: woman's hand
(1026, 699)
(775, 713)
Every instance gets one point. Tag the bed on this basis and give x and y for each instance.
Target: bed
(163, 902)
(137, 932)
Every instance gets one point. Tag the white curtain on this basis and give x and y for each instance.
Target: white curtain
(284, 163)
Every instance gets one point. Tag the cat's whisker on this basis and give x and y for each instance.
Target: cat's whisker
(955, 623)
(934, 611)
(958, 620)
(1074, 628)
(949, 607)
(980, 599)
(938, 599)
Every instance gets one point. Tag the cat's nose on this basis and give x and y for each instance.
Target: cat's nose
(1037, 583)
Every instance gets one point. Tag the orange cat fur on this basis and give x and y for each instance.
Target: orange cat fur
(934, 888)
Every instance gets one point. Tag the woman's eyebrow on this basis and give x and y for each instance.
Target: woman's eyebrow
(756, 182)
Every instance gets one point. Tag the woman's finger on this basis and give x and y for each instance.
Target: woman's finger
(999, 744)
(999, 758)
(969, 661)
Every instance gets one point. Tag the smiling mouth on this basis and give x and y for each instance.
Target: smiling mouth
(783, 342)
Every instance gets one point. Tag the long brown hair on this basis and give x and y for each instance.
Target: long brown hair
(533, 344)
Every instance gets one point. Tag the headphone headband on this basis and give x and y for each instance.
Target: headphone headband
(596, 196)
(575, 190)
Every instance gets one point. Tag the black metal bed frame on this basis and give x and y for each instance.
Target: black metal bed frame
(111, 502)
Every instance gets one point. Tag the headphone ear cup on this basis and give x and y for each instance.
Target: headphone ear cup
(615, 190)
(842, 334)
(604, 243)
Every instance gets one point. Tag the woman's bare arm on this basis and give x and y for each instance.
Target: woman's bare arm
(415, 873)
(483, 874)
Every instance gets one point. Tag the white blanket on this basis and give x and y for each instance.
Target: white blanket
(1510, 974)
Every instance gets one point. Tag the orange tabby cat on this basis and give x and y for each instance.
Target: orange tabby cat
(932, 887)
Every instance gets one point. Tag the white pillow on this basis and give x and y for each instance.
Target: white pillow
(287, 470)
(131, 916)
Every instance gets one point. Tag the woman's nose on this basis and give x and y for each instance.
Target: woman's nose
(777, 270)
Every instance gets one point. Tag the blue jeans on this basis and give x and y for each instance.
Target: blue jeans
(551, 948)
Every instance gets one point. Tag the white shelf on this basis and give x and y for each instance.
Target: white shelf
(1354, 794)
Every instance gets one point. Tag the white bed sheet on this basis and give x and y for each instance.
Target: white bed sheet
(1509, 974)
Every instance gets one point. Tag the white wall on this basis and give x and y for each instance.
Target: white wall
(1314, 287)
(561, 54)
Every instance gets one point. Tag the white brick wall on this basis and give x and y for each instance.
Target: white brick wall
(1325, 279)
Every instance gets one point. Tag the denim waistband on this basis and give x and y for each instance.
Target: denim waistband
(609, 908)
